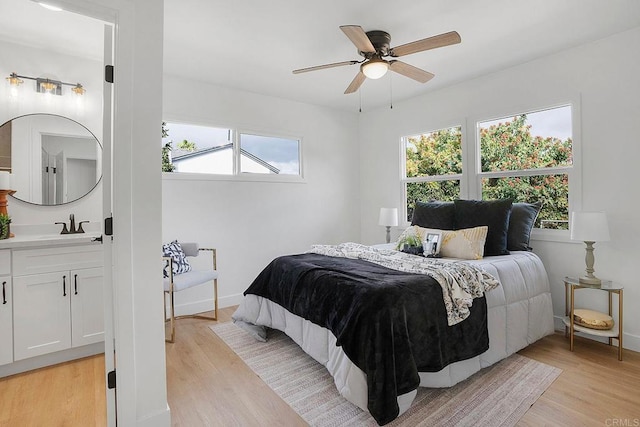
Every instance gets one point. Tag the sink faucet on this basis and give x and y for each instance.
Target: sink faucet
(72, 226)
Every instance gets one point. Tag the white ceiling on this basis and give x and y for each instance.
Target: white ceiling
(254, 45)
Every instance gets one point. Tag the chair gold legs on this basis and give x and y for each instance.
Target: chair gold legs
(172, 318)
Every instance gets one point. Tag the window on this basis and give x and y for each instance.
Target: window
(224, 151)
(529, 158)
(266, 154)
(432, 166)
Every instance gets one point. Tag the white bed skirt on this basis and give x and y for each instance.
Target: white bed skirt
(519, 313)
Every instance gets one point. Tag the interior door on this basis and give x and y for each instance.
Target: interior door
(58, 177)
(46, 190)
(107, 202)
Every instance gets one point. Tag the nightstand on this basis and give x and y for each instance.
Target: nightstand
(572, 284)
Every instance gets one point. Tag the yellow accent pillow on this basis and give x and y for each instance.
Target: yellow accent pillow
(467, 243)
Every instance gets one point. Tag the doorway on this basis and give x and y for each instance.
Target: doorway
(64, 47)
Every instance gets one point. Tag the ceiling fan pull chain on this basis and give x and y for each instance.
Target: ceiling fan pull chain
(360, 95)
(390, 92)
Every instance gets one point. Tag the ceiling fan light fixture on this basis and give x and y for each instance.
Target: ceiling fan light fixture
(375, 68)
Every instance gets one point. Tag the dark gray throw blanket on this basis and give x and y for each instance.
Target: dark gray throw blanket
(390, 324)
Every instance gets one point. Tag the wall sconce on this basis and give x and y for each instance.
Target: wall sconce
(43, 85)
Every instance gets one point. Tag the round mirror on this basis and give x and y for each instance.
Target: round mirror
(53, 160)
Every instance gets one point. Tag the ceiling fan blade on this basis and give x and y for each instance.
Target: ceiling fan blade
(410, 71)
(322, 67)
(358, 37)
(356, 83)
(441, 40)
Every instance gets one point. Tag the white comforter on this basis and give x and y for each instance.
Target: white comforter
(519, 313)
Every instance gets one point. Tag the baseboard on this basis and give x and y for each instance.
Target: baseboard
(159, 419)
(51, 359)
(630, 342)
(207, 304)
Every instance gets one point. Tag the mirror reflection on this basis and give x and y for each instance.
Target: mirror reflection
(53, 160)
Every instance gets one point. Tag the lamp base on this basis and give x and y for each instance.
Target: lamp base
(590, 280)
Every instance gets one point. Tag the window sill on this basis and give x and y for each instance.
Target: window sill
(547, 235)
(247, 177)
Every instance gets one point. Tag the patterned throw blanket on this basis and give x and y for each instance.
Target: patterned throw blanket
(461, 282)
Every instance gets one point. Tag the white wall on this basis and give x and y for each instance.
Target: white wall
(252, 222)
(28, 61)
(604, 75)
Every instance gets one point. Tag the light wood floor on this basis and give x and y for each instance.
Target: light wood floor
(208, 385)
(69, 394)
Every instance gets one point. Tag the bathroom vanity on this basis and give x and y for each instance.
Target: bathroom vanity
(51, 308)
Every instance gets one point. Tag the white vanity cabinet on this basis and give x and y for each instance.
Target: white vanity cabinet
(6, 309)
(57, 299)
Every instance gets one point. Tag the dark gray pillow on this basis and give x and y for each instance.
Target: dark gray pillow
(434, 214)
(492, 213)
(523, 217)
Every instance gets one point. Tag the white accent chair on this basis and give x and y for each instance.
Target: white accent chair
(179, 282)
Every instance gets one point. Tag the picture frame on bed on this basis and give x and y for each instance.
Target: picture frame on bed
(431, 244)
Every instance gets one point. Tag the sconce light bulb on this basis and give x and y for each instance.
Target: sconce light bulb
(48, 86)
(14, 80)
(78, 89)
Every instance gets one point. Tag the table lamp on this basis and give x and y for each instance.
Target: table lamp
(590, 227)
(388, 218)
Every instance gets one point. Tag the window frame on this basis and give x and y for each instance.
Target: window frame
(237, 152)
(236, 131)
(471, 177)
(574, 171)
(404, 180)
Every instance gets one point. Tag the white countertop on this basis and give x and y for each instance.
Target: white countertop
(46, 235)
(43, 240)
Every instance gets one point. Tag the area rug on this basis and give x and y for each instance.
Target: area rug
(496, 396)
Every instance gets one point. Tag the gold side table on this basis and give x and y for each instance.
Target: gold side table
(571, 284)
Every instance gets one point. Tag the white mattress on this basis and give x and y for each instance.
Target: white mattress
(519, 313)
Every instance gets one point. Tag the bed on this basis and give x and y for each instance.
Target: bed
(381, 371)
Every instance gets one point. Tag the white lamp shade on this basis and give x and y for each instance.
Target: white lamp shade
(388, 217)
(375, 68)
(589, 226)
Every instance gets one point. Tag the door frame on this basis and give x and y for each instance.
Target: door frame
(137, 205)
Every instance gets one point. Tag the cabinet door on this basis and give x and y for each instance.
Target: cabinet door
(87, 308)
(41, 314)
(6, 321)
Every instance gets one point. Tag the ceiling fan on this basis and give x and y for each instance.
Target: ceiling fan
(375, 45)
